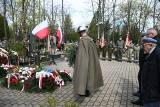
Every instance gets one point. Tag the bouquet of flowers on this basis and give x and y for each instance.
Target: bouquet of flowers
(66, 75)
(14, 57)
(3, 72)
(70, 53)
(3, 56)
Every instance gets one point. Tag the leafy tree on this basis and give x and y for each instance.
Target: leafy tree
(92, 30)
(69, 32)
(2, 33)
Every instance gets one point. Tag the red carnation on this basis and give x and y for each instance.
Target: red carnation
(54, 73)
(13, 80)
(52, 85)
(28, 86)
(25, 82)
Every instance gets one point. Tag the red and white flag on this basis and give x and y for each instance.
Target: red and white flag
(59, 35)
(41, 30)
(102, 41)
(127, 43)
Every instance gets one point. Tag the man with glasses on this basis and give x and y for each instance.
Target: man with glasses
(152, 33)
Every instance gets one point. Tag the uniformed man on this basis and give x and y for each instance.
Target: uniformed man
(110, 50)
(136, 49)
(4, 44)
(87, 71)
(53, 45)
(130, 51)
(25, 44)
(120, 46)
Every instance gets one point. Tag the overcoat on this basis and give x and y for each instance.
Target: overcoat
(151, 76)
(87, 71)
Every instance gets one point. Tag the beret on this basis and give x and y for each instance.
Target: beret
(143, 34)
(149, 40)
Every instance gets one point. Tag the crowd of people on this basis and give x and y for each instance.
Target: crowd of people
(120, 50)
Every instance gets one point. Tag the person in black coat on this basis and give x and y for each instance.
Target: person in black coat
(150, 76)
(142, 56)
(151, 33)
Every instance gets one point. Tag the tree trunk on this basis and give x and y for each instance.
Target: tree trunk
(4, 13)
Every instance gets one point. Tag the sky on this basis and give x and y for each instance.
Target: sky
(80, 11)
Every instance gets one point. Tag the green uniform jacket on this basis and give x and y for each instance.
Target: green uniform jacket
(87, 71)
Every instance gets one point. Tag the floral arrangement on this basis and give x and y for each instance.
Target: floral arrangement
(11, 56)
(3, 72)
(66, 75)
(70, 53)
(3, 56)
(5, 69)
(14, 57)
(32, 79)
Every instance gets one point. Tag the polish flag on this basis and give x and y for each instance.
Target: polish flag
(102, 41)
(41, 30)
(127, 41)
(59, 35)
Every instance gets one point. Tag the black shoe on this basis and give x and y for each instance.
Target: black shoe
(137, 94)
(87, 93)
(129, 61)
(137, 102)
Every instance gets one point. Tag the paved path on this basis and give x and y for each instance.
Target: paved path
(120, 80)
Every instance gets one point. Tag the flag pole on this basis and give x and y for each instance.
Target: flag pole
(48, 47)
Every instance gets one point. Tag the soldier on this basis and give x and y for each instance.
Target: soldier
(25, 43)
(120, 45)
(104, 49)
(4, 44)
(53, 48)
(110, 50)
(87, 70)
(130, 51)
(53, 45)
(98, 47)
(136, 49)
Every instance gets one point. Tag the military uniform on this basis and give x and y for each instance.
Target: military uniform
(120, 45)
(53, 45)
(4, 44)
(110, 51)
(87, 70)
(130, 51)
(25, 43)
(98, 47)
(136, 49)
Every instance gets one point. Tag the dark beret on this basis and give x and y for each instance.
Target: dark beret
(143, 34)
(149, 40)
